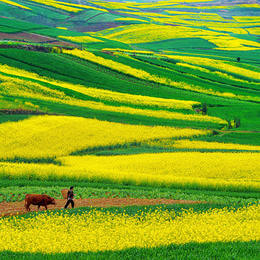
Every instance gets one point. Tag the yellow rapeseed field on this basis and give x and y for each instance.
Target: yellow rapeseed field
(236, 171)
(62, 28)
(187, 144)
(15, 4)
(229, 29)
(164, 4)
(218, 73)
(50, 136)
(196, 16)
(154, 78)
(226, 66)
(254, 30)
(127, 51)
(99, 231)
(82, 6)
(113, 5)
(242, 19)
(140, 33)
(135, 99)
(217, 6)
(30, 89)
(58, 5)
(232, 43)
(34, 90)
(84, 39)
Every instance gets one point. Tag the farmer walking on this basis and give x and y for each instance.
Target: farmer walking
(70, 197)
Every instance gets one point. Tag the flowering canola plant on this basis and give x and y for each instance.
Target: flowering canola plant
(15, 4)
(216, 73)
(229, 171)
(187, 144)
(50, 136)
(225, 66)
(30, 88)
(98, 231)
(139, 73)
(80, 39)
(254, 30)
(58, 5)
(141, 33)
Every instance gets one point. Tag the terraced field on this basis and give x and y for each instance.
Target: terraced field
(150, 109)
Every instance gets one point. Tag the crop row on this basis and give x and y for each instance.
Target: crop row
(132, 34)
(16, 193)
(15, 4)
(140, 73)
(188, 144)
(195, 170)
(55, 92)
(51, 136)
(223, 66)
(237, 250)
(205, 76)
(99, 94)
(98, 231)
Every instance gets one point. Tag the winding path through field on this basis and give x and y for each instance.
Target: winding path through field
(13, 208)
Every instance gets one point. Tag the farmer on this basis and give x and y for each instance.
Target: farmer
(70, 197)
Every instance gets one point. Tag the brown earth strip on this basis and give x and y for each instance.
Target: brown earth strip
(25, 36)
(35, 38)
(15, 208)
(20, 111)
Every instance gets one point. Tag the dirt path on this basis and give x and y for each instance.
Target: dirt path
(13, 208)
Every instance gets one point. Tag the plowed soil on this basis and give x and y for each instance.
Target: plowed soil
(13, 208)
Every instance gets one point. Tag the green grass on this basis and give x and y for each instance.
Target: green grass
(12, 118)
(33, 175)
(179, 209)
(205, 76)
(18, 24)
(193, 251)
(51, 15)
(149, 65)
(59, 67)
(5, 29)
(70, 110)
(84, 16)
(177, 44)
(233, 137)
(99, 190)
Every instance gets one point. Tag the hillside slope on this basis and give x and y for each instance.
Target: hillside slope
(192, 66)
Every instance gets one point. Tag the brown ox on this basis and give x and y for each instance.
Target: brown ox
(39, 200)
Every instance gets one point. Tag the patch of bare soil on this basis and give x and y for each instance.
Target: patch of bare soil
(13, 208)
(25, 36)
(32, 37)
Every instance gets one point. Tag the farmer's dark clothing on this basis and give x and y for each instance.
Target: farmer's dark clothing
(70, 197)
(69, 201)
(70, 194)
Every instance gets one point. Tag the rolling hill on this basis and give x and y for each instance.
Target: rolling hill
(153, 99)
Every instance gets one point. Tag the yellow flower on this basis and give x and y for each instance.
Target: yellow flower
(99, 231)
